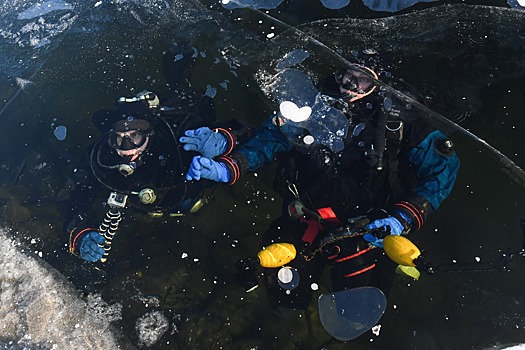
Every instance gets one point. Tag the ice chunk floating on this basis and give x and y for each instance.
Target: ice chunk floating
(43, 8)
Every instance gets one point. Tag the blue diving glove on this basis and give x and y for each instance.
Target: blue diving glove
(205, 141)
(89, 246)
(389, 225)
(205, 168)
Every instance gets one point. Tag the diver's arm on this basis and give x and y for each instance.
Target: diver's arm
(235, 133)
(260, 149)
(436, 166)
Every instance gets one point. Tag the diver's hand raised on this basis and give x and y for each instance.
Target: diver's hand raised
(207, 142)
(210, 169)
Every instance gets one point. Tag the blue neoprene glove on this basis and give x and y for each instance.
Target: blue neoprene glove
(391, 225)
(387, 224)
(89, 246)
(205, 168)
(205, 141)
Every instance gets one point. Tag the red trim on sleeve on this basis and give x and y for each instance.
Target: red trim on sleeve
(229, 137)
(73, 241)
(415, 212)
(232, 165)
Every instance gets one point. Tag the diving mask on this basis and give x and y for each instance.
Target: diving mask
(127, 140)
(356, 83)
(129, 134)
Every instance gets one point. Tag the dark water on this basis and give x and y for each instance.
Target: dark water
(464, 58)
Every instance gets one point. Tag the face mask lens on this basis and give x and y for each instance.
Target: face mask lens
(127, 140)
(356, 82)
(136, 137)
(350, 82)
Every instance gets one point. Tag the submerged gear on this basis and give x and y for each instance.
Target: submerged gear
(149, 97)
(158, 168)
(141, 141)
(101, 157)
(401, 250)
(349, 313)
(288, 277)
(154, 182)
(352, 182)
(108, 228)
(276, 255)
(147, 196)
(390, 159)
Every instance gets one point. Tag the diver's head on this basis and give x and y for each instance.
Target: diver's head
(359, 78)
(356, 82)
(130, 138)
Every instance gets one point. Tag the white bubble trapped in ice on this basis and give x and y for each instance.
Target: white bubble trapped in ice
(308, 139)
(291, 111)
(60, 132)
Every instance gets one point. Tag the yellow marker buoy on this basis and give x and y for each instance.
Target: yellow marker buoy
(401, 250)
(276, 255)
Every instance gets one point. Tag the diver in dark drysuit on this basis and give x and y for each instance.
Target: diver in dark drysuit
(390, 173)
(139, 162)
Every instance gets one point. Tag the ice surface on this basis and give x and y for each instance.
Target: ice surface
(519, 4)
(375, 5)
(391, 5)
(43, 8)
(335, 4)
(257, 4)
(54, 317)
(292, 58)
(151, 327)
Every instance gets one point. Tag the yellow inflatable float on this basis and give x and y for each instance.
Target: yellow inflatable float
(403, 252)
(276, 255)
